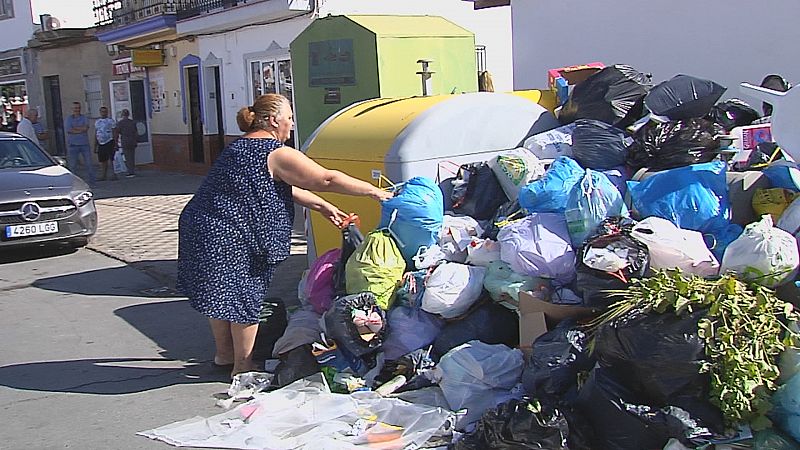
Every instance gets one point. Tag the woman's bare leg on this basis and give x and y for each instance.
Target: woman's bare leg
(244, 339)
(223, 340)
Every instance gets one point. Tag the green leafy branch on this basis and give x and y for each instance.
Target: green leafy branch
(744, 331)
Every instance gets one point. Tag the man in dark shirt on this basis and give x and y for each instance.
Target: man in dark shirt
(127, 133)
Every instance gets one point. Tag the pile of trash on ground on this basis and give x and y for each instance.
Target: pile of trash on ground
(624, 281)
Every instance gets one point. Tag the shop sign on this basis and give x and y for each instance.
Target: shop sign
(11, 66)
(125, 67)
(147, 58)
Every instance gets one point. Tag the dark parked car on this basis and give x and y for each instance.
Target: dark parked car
(40, 200)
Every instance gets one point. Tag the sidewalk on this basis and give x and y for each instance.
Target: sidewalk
(138, 224)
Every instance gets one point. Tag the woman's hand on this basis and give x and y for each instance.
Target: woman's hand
(332, 213)
(381, 195)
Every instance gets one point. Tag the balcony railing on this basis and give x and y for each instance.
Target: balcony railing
(193, 8)
(118, 13)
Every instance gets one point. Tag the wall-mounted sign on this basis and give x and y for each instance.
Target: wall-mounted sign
(10, 66)
(123, 66)
(331, 63)
(333, 96)
(147, 58)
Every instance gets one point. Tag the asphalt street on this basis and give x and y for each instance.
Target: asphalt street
(96, 343)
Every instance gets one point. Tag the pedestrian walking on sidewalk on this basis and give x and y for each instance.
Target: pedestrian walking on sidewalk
(77, 126)
(128, 135)
(237, 227)
(105, 130)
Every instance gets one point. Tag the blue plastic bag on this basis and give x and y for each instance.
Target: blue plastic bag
(590, 202)
(786, 407)
(418, 217)
(409, 329)
(783, 175)
(693, 197)
(549, 193)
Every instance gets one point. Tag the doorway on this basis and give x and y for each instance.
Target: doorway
(55, 117)
(195, 117)
(218, 98)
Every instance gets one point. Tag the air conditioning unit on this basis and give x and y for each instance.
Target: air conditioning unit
(49, 22)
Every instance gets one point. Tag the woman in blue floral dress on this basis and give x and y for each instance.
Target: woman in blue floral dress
(237, 227)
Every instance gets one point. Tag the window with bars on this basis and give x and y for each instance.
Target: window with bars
(92, 87)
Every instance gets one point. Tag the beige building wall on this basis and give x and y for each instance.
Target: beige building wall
(165, 82)
(75, 65)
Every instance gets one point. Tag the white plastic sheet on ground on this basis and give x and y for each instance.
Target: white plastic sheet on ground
(306, 415)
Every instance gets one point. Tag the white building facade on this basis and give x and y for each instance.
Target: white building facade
(728, 41)
(16, 62)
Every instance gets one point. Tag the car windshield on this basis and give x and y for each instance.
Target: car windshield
(21, 153)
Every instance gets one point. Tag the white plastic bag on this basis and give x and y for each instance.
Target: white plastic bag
(763, 253)
(481, 252)
(429, 256)
(551, 144)
(671, 247)
(452, 288)
(120, 165)
(516, 168)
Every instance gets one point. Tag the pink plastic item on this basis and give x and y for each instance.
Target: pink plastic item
(319, 284)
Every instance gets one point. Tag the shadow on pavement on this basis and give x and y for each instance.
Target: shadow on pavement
(30, 253)
(108, 376)
(173, 326)
(115, 281)
(185, 358)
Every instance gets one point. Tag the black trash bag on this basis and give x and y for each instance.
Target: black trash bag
(613, 234)
(295, 364)
(272, 322)
(620, 422)
(684, 97)
(479, 194)
(658, 357)
(490, 323)
(351, 238)
(340, 327)
(551, 371)
(517, 425)
(599, 146)
(661, 146)
(614, 95)
(510, 209)
(733, 113)
(776, 83)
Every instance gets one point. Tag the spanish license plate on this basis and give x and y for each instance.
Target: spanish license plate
(33, 229)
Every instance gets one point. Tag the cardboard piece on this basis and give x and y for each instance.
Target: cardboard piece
(537, 316)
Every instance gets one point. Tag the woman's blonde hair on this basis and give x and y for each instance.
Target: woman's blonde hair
(256, 117)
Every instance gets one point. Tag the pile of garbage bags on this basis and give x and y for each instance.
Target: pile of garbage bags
(638, 178)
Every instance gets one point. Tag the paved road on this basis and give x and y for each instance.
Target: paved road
(96, 343)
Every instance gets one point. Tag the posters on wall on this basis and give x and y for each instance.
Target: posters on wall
(157, 94)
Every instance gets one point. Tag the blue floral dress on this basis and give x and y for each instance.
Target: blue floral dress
(234, 232)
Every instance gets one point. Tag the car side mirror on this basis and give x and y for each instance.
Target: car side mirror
(60, 160)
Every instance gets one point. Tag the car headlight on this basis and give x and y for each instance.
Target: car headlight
(82, 197)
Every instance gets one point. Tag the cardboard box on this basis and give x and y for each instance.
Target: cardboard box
(561, 80)
(536, 316)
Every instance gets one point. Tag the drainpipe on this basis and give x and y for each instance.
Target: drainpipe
(425, 74)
